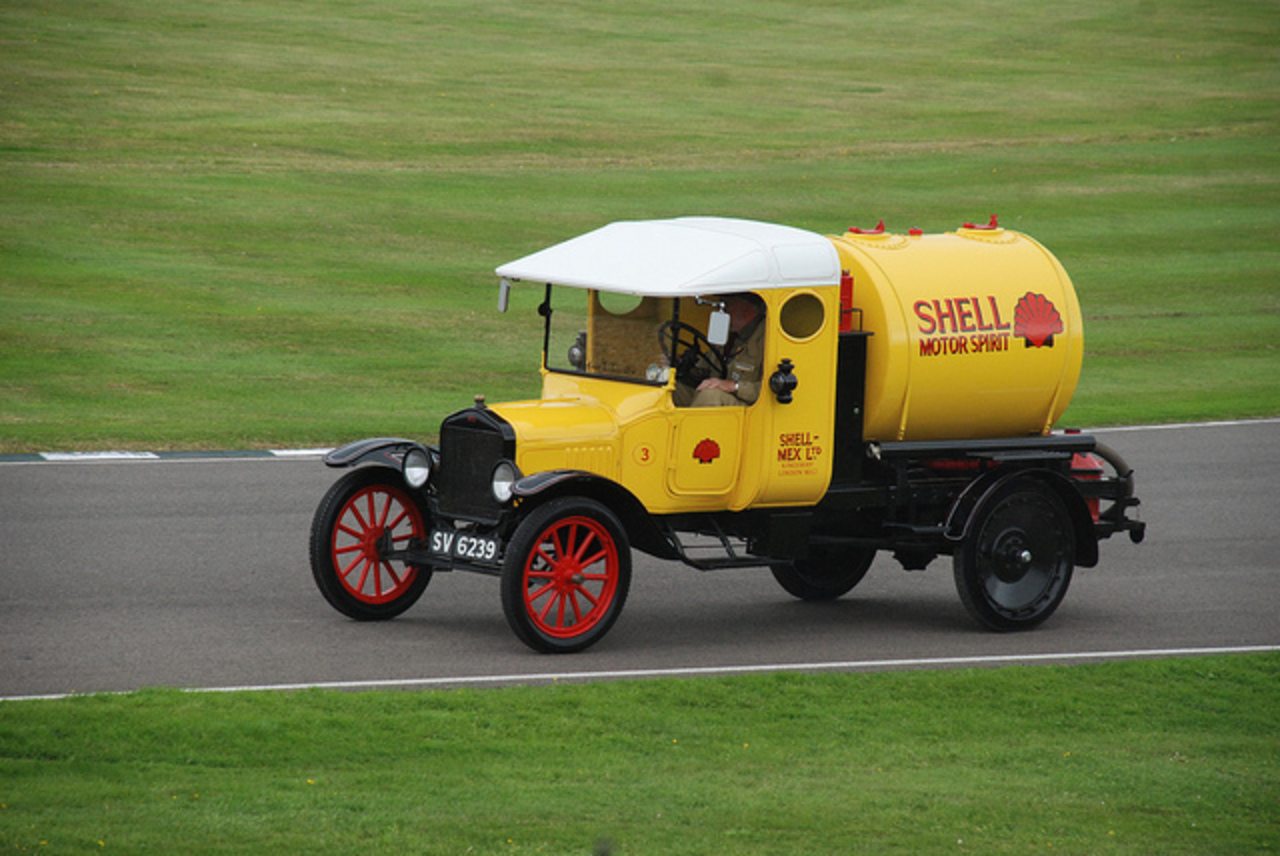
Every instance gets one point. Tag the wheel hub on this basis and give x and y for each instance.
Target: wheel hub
(371, 543)
(568, 575)
(1012, 558)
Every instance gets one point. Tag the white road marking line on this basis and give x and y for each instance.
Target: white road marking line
(1228, 423)
(708, 671)
(100, 456)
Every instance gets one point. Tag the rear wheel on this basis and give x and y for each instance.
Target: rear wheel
(365, 514)
(824, 576)
(566, 575)
(1014, 568)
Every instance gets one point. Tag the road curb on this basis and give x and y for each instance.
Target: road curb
(122, 456)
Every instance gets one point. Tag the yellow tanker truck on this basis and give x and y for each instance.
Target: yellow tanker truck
(731, 393)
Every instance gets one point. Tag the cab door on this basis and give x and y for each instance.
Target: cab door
(705, 454)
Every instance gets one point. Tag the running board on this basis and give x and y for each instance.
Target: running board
(728, 557)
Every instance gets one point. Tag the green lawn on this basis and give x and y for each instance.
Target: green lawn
(251, 224)
(1168, 757)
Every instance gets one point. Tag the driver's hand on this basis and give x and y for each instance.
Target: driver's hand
(718, 383)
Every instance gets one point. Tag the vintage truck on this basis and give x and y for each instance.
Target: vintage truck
(907, 390)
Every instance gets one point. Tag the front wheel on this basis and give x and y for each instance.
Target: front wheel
(1014, 568)
(364, 515)
(823, 576)
(565, 575)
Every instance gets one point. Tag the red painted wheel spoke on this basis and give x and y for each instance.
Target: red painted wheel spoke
(391, 572)
(570, 550)
(387, 503)
(404, 512)
(355, 511)
(582, 548)
(364, 576)
(588, 595)
(351, 567)
(551, 602)
(603, 554)
(347, 530)
(560, 610)
(534, 595)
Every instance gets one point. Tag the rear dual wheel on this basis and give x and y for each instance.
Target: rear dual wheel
(1014, 568)
(824, 576)
(364, 515)
(566, 575)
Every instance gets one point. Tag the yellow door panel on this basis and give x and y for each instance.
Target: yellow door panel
(706, 449)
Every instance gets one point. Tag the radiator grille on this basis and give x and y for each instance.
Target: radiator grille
(471, 444)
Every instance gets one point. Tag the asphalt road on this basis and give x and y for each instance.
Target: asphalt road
(116, 576)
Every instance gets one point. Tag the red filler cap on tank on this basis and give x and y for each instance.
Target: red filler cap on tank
(992, 225)
(878, 230)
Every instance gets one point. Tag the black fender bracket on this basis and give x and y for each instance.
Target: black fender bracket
(960, 518)
(387, 451)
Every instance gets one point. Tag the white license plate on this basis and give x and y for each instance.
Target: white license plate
(460, 545)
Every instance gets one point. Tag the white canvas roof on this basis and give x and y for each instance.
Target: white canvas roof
(684, 256)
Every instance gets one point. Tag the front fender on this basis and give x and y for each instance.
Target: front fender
(387, 451)
(643, 532)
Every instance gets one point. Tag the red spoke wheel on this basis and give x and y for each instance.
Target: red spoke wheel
(1014, 568)
(565, 575)
(363, 516)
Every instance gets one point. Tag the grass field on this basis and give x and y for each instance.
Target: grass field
(248, 224)
(251, 224)
(1167, 757)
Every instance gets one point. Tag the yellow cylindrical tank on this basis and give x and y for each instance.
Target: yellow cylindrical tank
(974, 333)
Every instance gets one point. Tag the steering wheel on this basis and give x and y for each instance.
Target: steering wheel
(691, 349)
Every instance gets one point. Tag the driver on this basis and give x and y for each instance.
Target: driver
(743, 359)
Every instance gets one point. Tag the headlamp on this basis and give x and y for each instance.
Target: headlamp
(503, 480)
(416, 467)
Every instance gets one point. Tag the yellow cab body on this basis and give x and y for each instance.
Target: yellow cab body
(611, 410)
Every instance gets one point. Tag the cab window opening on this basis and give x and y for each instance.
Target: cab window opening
(645, 339)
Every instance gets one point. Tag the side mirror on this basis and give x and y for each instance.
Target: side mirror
(504, 294)
(718, 328)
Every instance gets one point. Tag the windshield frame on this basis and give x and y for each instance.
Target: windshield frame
(664, 309)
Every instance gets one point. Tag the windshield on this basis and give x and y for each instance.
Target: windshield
(607, 334)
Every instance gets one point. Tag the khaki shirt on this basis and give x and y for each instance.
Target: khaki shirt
(744, 365)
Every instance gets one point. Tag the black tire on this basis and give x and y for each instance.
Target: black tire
(824, 576)
(363, 512)
(565, 575)
(1013, 569)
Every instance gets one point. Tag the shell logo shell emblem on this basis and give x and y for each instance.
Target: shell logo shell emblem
(706, 451)
(1036, 321)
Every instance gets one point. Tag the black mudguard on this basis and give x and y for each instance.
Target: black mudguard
(961, 514)
(386, 451)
